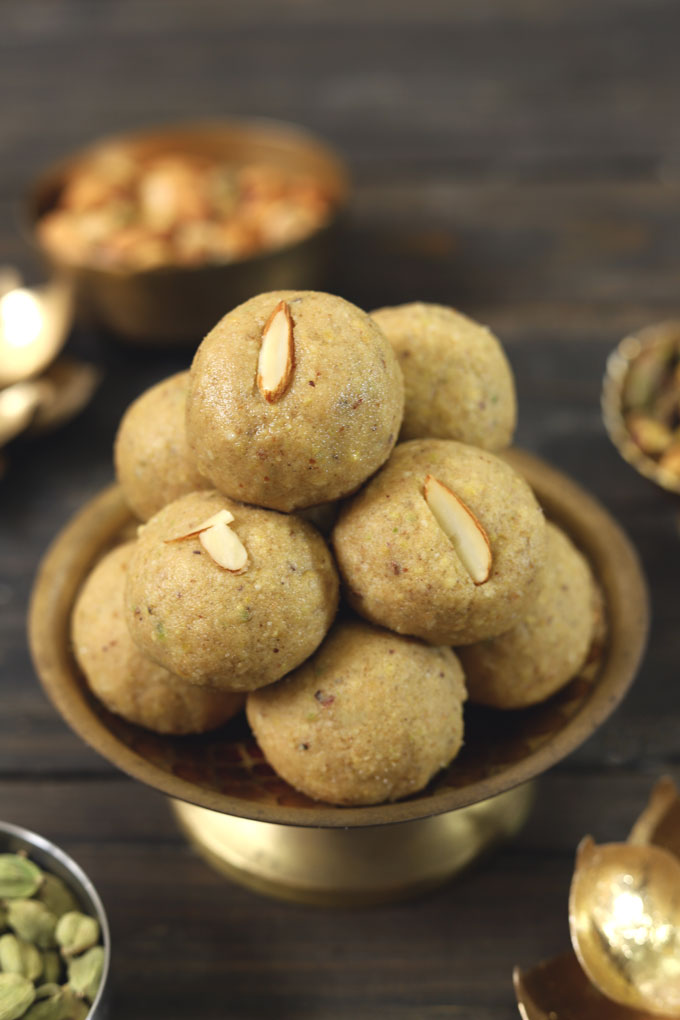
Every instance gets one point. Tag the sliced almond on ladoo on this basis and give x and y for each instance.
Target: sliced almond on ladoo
(277, 354)
(461, 527)
(225, 547)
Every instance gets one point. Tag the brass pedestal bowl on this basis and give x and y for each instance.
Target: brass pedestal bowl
(255, 828)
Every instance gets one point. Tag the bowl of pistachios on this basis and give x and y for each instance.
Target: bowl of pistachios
(54, 935)
(641, 402)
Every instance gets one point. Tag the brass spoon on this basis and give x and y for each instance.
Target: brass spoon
(34, 323)
(659, 823)
(624, 918)
(558, 989)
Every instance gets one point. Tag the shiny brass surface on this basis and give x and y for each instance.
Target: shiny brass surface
(352, 867)
(618, 364)
(558, 989)
(173, 305)
(225, 771)
(659, 823)
(34, 324)
(624, 919)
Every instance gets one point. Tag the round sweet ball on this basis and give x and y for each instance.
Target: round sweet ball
(370, 717)
(445, 543)
(547, 648)
(153, 462)
(459, 384)
(295, 398)
(125, 681)
(227, 595)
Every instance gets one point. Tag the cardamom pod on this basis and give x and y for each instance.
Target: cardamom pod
(16, 995)
(19, 877)
(52, 1008)
(3, 917)
(85, 972)
(51, 966)
(76, 932)
(73, 1008)
(47, 990)
(56, 895)
(19, 957)
(32, 921)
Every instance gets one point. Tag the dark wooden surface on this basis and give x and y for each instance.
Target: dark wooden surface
(517, 158)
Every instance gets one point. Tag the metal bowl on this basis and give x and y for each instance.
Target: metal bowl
(225, 772)
(51, 858)
(613, 386)
(179, 304)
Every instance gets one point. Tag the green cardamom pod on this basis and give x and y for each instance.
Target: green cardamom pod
(51, 966)
(19, 877)
(32, 921)
(16, 995)
(19, 957)
(85, 972)
(3, 917)
(56, 896)
(54, 1007)
(73, 1008)
(47, 990)
(76, 932)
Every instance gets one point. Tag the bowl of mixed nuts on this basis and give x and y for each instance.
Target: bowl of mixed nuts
(54, 935)
(160, 231)
(641, 402)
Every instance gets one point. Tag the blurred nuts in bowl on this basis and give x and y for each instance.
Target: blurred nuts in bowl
(128, 210)
(159, 231)
(641, 402)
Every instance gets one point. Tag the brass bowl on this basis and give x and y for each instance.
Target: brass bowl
(179, 304)
(618, 366)
(225, 772)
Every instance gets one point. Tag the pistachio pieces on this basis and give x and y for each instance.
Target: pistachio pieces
(37, 981)
(219, 541)
(16, 995)
(19, 877)
(650, 401)
(276, 360)
(461, 527)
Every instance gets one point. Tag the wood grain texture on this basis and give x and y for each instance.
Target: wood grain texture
(517, 158)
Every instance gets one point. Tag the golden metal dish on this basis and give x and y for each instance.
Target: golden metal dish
(560, 987)
(624, 918)
(34, 324)
(225, 772)
(618, 366)
(179, 304)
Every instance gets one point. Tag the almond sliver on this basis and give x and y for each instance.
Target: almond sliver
(221, 517)
(461, 527)
(277, 354)
(225, 547)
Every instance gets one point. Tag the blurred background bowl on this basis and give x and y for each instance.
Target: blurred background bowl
(171, 304)
(14, 839)
(617, 405)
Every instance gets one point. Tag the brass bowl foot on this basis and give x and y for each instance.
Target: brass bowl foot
(356, 866)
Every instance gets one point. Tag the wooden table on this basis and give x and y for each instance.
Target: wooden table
(518, 159)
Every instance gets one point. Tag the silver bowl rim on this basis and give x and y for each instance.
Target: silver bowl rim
(34, 839)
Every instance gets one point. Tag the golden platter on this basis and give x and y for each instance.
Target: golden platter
(225, 772)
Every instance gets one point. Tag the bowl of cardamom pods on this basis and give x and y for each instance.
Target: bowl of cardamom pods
(54, 936)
